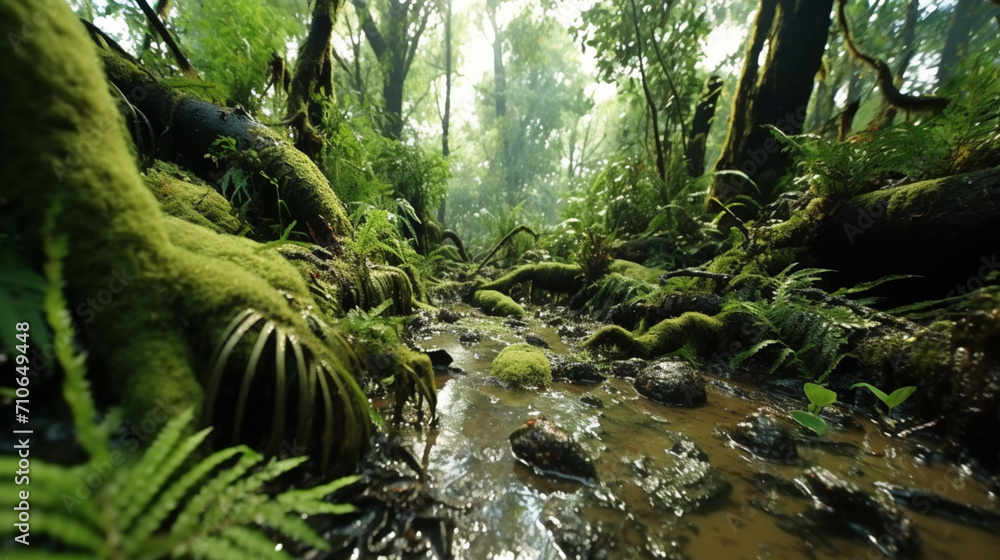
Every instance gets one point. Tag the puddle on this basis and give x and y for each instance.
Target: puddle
(509, 512)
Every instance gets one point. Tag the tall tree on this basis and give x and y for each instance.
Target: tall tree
(794, 33)
(395, 46)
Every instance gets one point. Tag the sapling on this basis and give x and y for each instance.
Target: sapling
(892, 400)
(819, 397)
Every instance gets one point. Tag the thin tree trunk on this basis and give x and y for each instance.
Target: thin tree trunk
(661, 166)
(959, 31)
(700, 126)
(446, 116)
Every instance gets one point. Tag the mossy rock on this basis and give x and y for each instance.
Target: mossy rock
(193, 201)
(522, 365)
(494, 303)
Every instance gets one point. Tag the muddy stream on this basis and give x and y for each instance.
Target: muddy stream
(648, 502)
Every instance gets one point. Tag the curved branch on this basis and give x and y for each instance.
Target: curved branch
(506, 239)
(154, 20)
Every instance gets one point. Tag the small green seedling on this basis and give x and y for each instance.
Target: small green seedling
(819, 397)
(892, 400)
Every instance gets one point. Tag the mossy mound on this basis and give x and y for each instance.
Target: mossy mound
(635, 270)
(700, 332)
(494, 303)
(554, 277)
(193, 201)
(522, 365)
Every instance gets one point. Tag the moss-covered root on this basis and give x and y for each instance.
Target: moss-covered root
(697, 330)
(522, 365)
(494, 303)
(554, 277)
(414, 380)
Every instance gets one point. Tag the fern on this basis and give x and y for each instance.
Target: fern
(127, 516)
(807, 335)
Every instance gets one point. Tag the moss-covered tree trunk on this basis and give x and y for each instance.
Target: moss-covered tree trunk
(150, 294)
(313, 75)
(795, 33)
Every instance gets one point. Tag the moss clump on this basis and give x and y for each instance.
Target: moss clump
(697, 330)
(555, 277)
(635, 270)
(493, 302)
(193, 202)
(413, 380)
(522, 365)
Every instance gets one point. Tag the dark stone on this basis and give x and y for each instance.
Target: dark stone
(582, 373)
(673, 383)
(535, 340)
(578, 537)
(934, 505)
(689, 450)
(440, 358)
(550, 450)
(591, 400)
(764, 437)
(446, 315)
(627, 369)
(690, 484)
(840, 507)
(469, 337)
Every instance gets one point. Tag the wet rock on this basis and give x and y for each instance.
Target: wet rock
(591, 400)
(469, 337)
(550, 450)
(673, 383)
(535, 340)
(572, 331)
(578, 537)
(440, 358)
(690, 484)
(935, 505)
(446, 315)
(766, 438)
(582, 373)
(839, 506)
(626, 369)
(689, 450)
(767, 482)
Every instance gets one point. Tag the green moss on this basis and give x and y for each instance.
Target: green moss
(493, 302)
(151, 294)
(193, 202)
(696, 330)
(635, 270)
(389, 283)
(522, 365)
(555, 277)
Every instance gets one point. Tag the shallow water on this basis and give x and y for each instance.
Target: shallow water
(509, 512)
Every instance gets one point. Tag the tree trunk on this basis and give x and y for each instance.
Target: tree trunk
(943, 230)
(661, 165)
(959, 31)
(151, 294)
(446, 115)
(312, 76)
(777, 94)
(701, 123)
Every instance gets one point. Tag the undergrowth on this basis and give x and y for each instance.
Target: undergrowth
(172, 501)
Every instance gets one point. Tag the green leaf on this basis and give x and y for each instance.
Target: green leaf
(897, 397)
(875, 391)
(819, 396)
(811, 421)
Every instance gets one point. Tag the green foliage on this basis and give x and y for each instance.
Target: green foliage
(804, 333)
(616, 288)
(892, 400)
(22, 291)
(417, 176)
(320, 380)
(594, 254)
(819, 397)
(166, 503)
